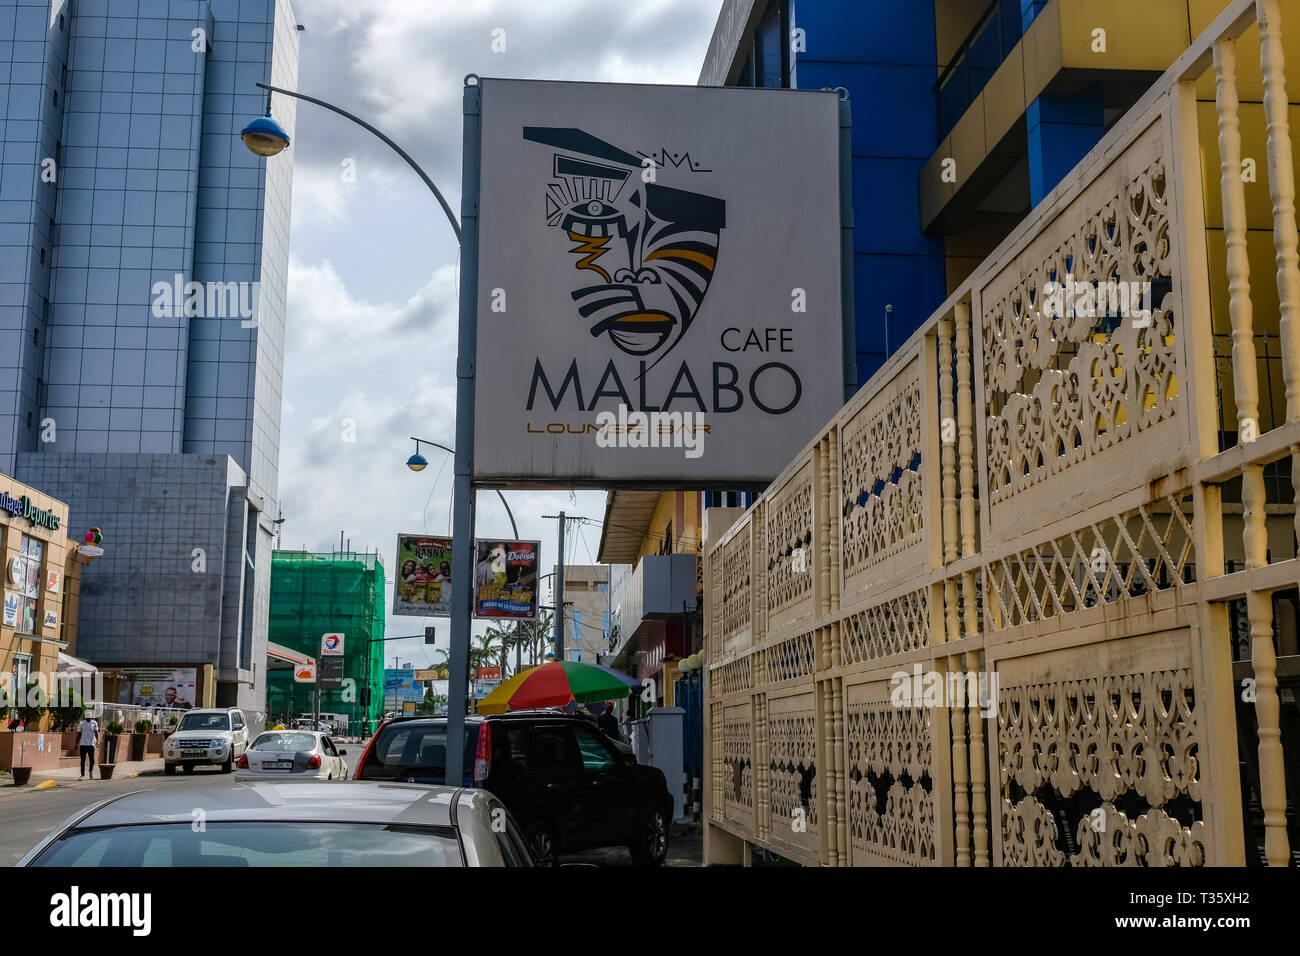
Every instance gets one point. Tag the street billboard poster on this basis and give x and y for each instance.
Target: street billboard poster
(659, 282)
(423, 586)
(158, 687)
(505, 579)
(401, 684)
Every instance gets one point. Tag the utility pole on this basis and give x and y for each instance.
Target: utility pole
(559, 596)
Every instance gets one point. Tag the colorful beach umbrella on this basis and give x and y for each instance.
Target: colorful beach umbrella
(556, 684)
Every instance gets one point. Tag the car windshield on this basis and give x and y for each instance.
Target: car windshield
(285, 741)
(256, 844)
(193, 721)
(415, 747)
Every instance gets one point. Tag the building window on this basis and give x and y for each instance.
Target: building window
(577, 625)
(604, 624)
(771, 67)
(25, 574)
(602, 585)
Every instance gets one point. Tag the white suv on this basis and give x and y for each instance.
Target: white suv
(212, 737)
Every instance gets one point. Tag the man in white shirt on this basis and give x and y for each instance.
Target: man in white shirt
(89, 740)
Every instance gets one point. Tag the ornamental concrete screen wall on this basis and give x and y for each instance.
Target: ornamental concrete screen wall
(664, 249)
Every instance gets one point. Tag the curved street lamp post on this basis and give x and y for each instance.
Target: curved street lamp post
(264, 137)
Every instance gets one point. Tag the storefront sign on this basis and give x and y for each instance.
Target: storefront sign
(52, 579)
(24, 507)
(664, 257)
(11, 609)
(51, 619)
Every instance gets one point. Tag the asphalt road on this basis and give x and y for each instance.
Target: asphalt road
(26, 818)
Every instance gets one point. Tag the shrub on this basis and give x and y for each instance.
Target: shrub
(114, 727)
(143, 726)
(67, 718)
(31, 715)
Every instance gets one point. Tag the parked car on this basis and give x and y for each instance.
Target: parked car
(208, 737)
(569, 786)
(292, 755)
(308, 824)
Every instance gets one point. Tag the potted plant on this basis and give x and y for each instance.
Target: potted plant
(138, 740)
(112, 732)
(22, 773)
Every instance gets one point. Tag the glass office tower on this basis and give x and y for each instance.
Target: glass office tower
(143, 262)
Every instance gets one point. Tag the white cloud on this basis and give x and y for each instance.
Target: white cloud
(373, 274)
(328, 327)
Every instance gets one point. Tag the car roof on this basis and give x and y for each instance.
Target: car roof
(480, 718)
(211, 710)
(354, 802)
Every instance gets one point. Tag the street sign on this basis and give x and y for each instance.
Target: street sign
(425, 674)
(330, 671)
(305, 673)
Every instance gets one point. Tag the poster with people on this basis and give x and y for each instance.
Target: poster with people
(174, 689)
(423, 585)
(505, 579)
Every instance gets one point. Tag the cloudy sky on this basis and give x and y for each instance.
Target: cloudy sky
(372, 275)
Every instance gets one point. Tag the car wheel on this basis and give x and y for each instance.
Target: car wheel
(541, 842)
(170, 769)
(230, 761)
(189, 768)
(649, 846)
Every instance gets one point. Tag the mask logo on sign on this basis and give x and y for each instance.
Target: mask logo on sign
(654, 247)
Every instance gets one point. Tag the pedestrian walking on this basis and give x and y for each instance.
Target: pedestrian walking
(607, 722)
(89, 741)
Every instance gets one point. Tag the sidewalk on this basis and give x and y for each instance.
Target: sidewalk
(67, 777)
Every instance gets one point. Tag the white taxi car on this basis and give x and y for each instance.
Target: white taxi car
(292, 755)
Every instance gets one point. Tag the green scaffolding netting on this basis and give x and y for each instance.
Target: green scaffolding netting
(314, 594)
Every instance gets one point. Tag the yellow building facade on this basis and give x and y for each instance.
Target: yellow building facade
(41, 570)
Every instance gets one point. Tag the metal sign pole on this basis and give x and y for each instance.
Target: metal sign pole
(462, 574)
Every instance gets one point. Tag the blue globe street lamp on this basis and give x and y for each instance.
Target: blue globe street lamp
(264, 136)
(417, 462)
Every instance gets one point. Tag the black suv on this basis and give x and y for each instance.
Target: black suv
(568, 785)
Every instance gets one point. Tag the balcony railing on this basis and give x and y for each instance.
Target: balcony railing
(1034, 509)
(978, 57)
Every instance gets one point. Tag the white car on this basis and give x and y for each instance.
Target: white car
(215, 736)
(293, 755)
